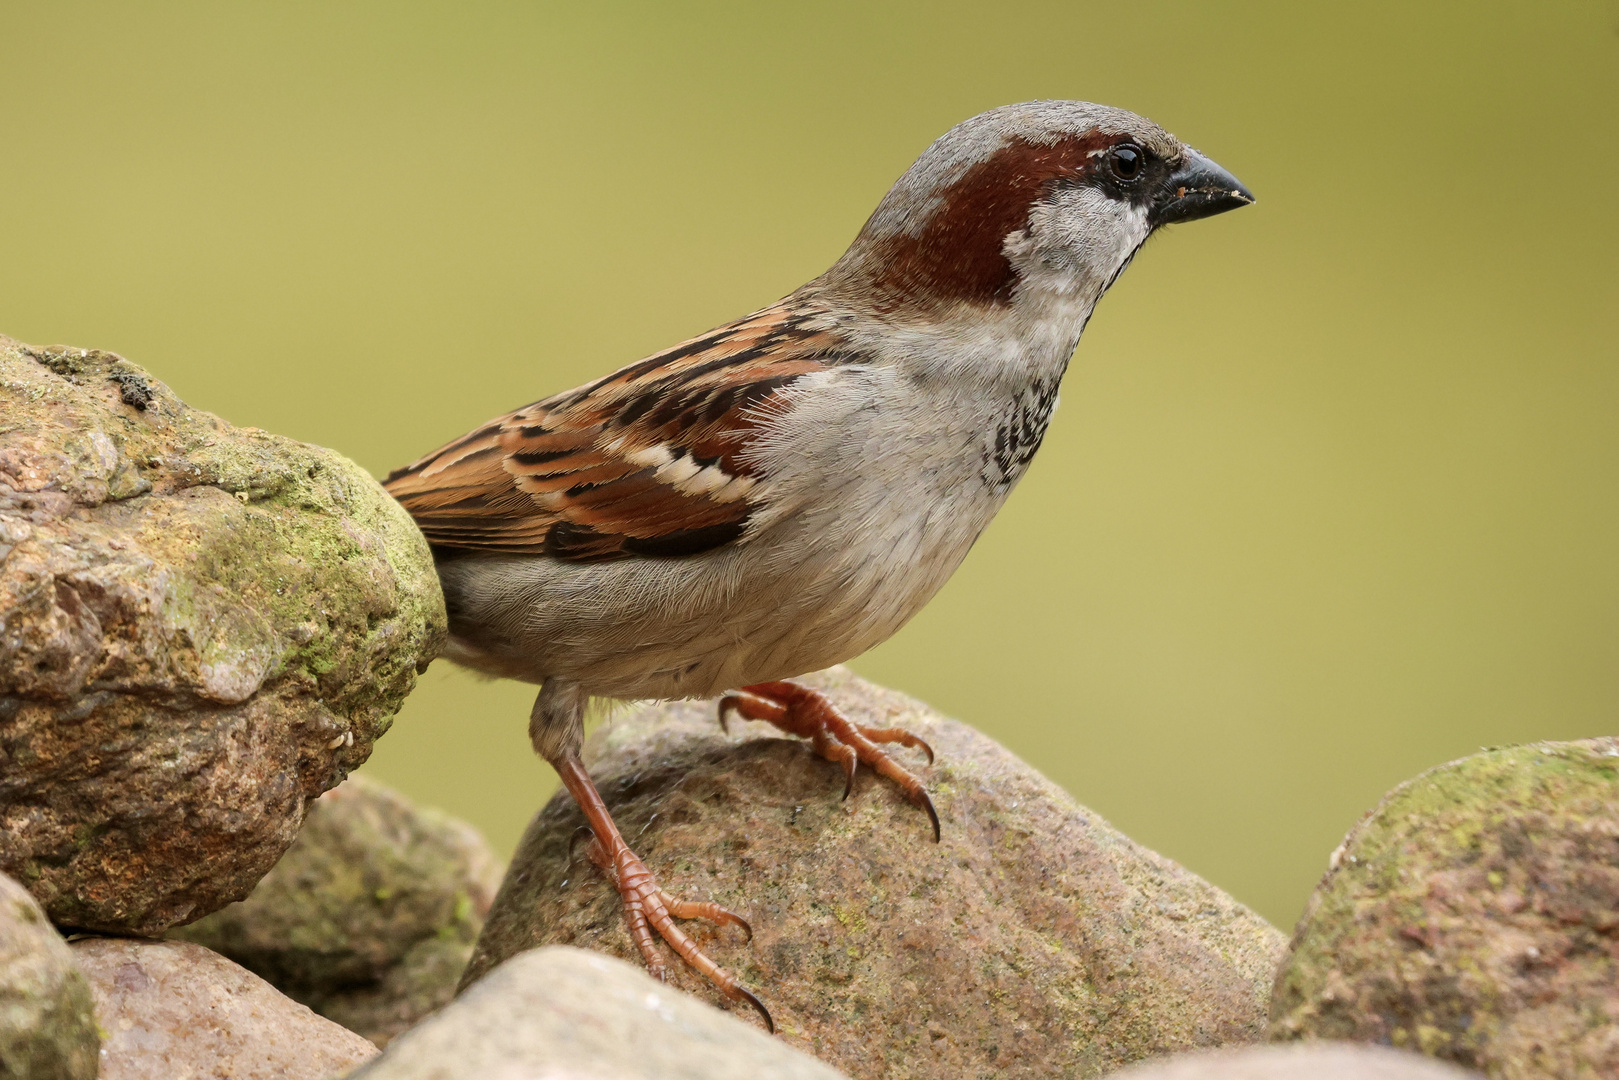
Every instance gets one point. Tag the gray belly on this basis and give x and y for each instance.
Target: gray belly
(877, 524)
(773, 608)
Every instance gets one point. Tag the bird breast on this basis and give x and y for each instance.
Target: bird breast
(877, 483)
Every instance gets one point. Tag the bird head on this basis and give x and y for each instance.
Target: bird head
(1033, 202)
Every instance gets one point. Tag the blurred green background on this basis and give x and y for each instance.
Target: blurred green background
(1331, 496)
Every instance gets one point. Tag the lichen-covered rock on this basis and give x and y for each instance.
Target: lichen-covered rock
(567, 1014)
(370, 916)
(1034, 941)
(1474, 916)
(1300, 1061)
(172, 1010)
(201, 627)
(47, 1023)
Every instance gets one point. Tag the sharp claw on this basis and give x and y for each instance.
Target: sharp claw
(723, 915)
(757, 1004)
(573, 841)
(927, 804)
(801, 711)
(726, 705)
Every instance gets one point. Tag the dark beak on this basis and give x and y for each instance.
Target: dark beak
(1198, 189)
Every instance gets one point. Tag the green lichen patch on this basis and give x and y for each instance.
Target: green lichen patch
(370, 916)
(47, 1019)
(205, 626)
(1474, 916)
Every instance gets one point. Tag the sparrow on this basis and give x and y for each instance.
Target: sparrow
(782, 493)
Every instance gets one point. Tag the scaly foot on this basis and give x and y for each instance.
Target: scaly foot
(647, 908)
(810, 714)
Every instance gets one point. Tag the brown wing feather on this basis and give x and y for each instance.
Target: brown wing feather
(649, 460)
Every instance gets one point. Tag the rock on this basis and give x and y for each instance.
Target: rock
(201, 628)
(1305, 1061)
(423, 981)
(370, 916)
(47, 1025)
(171, 1009)
(567, 1014)
(1034, 941)
(1474, 916)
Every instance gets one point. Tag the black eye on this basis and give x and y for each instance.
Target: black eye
(1126, 160)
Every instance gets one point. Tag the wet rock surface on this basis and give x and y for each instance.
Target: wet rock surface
(1305, 1061)
(1474, 916)
(568, 1014)
(370, 917)
(47, 1023)
(171, 1010)
(201, 628)
(1034, 941)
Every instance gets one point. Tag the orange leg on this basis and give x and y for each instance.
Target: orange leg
(648, 908)
(810, 714)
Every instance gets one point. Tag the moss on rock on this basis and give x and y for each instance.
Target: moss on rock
(370, 916)
(1474, 916)
(47, 1018)
(201, 628)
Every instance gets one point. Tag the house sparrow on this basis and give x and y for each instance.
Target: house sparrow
(782, 493)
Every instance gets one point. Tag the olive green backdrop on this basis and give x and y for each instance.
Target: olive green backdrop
(1331, 495)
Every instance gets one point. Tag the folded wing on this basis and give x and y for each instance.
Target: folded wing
(649, 461)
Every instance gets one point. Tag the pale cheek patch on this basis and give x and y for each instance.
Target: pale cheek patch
(1079, 245)
(1111, 232)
